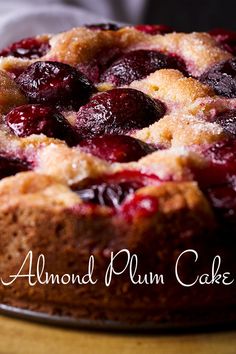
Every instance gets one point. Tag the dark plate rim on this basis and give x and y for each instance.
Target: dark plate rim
(114, 326)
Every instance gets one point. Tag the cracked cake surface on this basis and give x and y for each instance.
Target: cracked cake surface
(119, 138)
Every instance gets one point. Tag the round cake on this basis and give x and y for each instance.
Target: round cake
(118, 175)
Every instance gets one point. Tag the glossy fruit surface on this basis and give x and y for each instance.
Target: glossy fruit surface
(227, 121)
(138, 64)
(220, 164)
(222, 78)
(139, 206)
(218, 181)
(9, 166)
(116, 148)
(55, 83)
(154, 29)
(116, 112)
(103, 27)
(112, 190)
(28, 48)
(38, 119)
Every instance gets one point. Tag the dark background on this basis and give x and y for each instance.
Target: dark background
(196, 15)
(182, 15)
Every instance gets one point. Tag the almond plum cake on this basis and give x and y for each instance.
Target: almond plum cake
(120, 141)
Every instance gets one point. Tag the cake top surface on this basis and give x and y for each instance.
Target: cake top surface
(101, 114)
